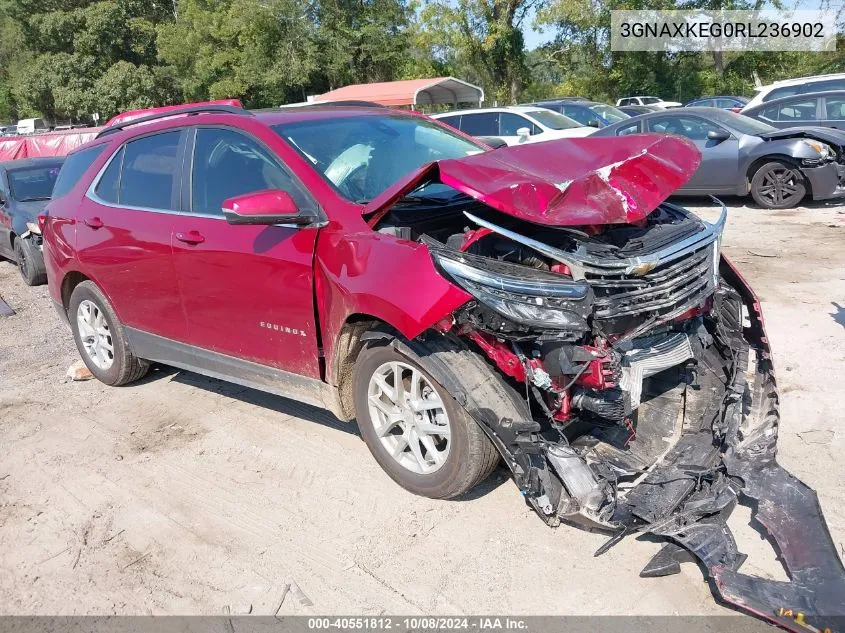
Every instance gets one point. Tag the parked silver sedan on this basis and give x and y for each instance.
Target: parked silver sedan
(739, 155)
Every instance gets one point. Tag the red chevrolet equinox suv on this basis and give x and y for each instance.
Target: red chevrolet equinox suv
(542, 305)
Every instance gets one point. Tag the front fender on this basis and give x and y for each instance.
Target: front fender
(392, 280)
(794, 149)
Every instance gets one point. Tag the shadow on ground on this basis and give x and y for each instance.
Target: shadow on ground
(839, 313)
(284, 406)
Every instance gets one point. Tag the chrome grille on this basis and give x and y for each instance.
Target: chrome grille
(667, 290)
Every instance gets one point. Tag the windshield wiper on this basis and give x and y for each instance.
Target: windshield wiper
(425, 199)
(33, 199)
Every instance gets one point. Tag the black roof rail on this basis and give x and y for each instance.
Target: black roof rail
(199, 109)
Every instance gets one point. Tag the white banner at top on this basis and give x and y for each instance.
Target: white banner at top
(764, 30)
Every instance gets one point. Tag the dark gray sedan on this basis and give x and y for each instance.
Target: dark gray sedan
(740, 155)
(25, 189)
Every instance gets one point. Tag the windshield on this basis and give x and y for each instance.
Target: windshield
(609, 113)
(364, 155)
(649, 100)
(553, 120)
(34, 183)
(741, 123)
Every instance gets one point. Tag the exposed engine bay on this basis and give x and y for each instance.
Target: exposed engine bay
(650, 403)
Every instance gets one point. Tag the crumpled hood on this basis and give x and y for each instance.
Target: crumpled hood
(826, 134)
(567, 182)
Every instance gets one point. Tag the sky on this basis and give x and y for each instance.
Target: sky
(534, 38)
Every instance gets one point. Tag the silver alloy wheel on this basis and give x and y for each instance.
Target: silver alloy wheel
(781, 185)
(94, 334)
(409, 418)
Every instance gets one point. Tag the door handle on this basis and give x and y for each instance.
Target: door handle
(191, 237)
(94, 223)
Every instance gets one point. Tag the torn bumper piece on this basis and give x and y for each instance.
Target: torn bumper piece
(814, 599)
(790, 512)
(674, 504)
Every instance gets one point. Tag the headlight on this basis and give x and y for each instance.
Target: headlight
(539, 299)
(824, 151)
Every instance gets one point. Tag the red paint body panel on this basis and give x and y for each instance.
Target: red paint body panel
(247, 292)
(130, 259)
(367, 273)
(568, 182)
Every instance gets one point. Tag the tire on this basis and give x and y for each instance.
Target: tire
(30, 261)
(778, 185)
(124, 367)
(471, 456)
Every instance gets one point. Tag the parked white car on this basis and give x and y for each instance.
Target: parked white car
(797, 86)
(515, 124)
(655, 102)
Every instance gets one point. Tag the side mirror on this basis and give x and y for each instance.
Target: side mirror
(718, 135)
(493, 141)
(271, 206)
(523, 133)
(2, 199)
(593, 123)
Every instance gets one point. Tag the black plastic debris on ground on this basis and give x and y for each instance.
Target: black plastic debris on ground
(5, 308)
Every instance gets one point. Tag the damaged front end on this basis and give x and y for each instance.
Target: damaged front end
(649, 399)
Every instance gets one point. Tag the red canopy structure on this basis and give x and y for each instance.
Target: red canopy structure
(412, 92)
(52, 144)
(62, 143)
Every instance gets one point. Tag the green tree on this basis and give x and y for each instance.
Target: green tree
(484, 40)
(67, 49)
(361, 41)
(238, 48)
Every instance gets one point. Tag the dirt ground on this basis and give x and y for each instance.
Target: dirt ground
(184, 495)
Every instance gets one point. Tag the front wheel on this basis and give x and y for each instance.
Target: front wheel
(417, 433)
(30, 262)
(778, 185)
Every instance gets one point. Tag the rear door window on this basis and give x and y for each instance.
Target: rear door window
(74, 168)
(481, 124)
(692, 128)
(107, 188)
(634, 128)
(148, 177)
(835, 108)
(798, 110)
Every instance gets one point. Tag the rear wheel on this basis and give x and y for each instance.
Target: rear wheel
(778, 185)
(101, 339)
(30, 262)
(417, 433)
